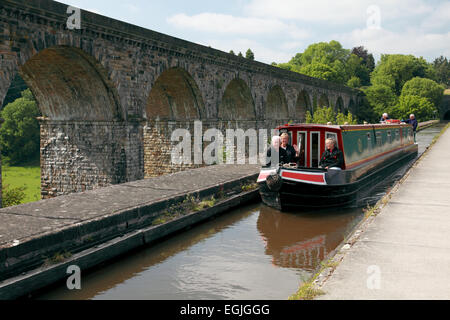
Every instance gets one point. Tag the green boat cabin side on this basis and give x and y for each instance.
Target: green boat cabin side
(359, 143)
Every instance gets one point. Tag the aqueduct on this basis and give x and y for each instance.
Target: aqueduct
(110, 93)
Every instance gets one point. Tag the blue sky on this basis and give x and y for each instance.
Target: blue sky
(277, 30)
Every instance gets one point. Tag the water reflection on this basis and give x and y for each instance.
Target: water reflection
(303, 239)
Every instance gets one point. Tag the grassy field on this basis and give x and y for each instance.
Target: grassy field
(28, 176)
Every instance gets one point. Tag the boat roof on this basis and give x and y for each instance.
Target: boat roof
(343, 127)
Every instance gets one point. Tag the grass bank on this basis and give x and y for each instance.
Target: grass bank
(27, 175)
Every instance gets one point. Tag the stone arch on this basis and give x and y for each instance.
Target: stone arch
(323, 101)
(68, 84)
(82, 134)
(174, 96)
(340, 105)
(276, 104)
(302, 105)
(237, 102)
(351, 106)
(447, 116)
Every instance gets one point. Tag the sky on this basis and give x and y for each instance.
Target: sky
(275, 30)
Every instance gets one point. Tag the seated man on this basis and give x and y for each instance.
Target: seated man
(288, 153)
(332, 157)
(280, 152)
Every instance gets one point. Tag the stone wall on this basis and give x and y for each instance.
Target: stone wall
(77, 156)
(158, 144)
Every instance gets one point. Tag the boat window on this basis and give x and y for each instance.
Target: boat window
(389, 137)
(332, 135)
(397, 135)
(301, 143)
(315, 156)
(378, 133)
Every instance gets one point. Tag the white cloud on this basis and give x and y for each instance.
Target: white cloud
(335, 12)
(440, 17)
(228, 24)
(412, 41)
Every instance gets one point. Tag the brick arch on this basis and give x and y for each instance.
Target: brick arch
(174, 96)
(446, 115)
(323, 101)
(237, 102)
(302, 105)
(340, 105)
(351, 106)
(69, 84)
(276, 104)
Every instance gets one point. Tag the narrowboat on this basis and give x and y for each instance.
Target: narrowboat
(371, 153)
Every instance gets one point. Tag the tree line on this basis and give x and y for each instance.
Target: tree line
(398, 84)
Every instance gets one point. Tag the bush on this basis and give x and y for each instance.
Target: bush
(19, 134)
(12, 196)
(422, 108)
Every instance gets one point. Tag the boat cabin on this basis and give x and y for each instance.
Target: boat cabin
(359, 143)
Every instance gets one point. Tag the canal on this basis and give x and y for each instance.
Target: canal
(253, 252)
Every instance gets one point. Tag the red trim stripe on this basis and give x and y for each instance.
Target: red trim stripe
(303, 176)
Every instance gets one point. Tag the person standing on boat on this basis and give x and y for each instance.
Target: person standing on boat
(412, 120)
(384, 117)
(332, 157)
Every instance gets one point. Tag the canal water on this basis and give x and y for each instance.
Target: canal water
(254, 252)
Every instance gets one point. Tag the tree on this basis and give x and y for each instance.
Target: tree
(354, 82)
(422, 108)
(442, 68)
(345, 119)
(232, 52)
(320, 70)
(327, 114)
(381, 98)
(19, 134)
(394, 70)
(249, 55)
(240, 54)
(366, 57)
(424, 88)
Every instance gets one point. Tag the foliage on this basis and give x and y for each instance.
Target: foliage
(19, 134)
(394, 70)
(28, 176)
(422, 108)
(345, 119)
(366, 57)
(249, 55)
(425, 88)
(327, 114)
(442, 68)
(232, 52)
(320, 70)
(330, 61)
(381, 97)
(240, 54)
(354, 82)
(12, 196)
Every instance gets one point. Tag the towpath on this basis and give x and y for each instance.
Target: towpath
(404, 252)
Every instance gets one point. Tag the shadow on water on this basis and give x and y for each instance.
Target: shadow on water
(253, 252)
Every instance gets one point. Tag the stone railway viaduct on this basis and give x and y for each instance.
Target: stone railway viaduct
(111, 93)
